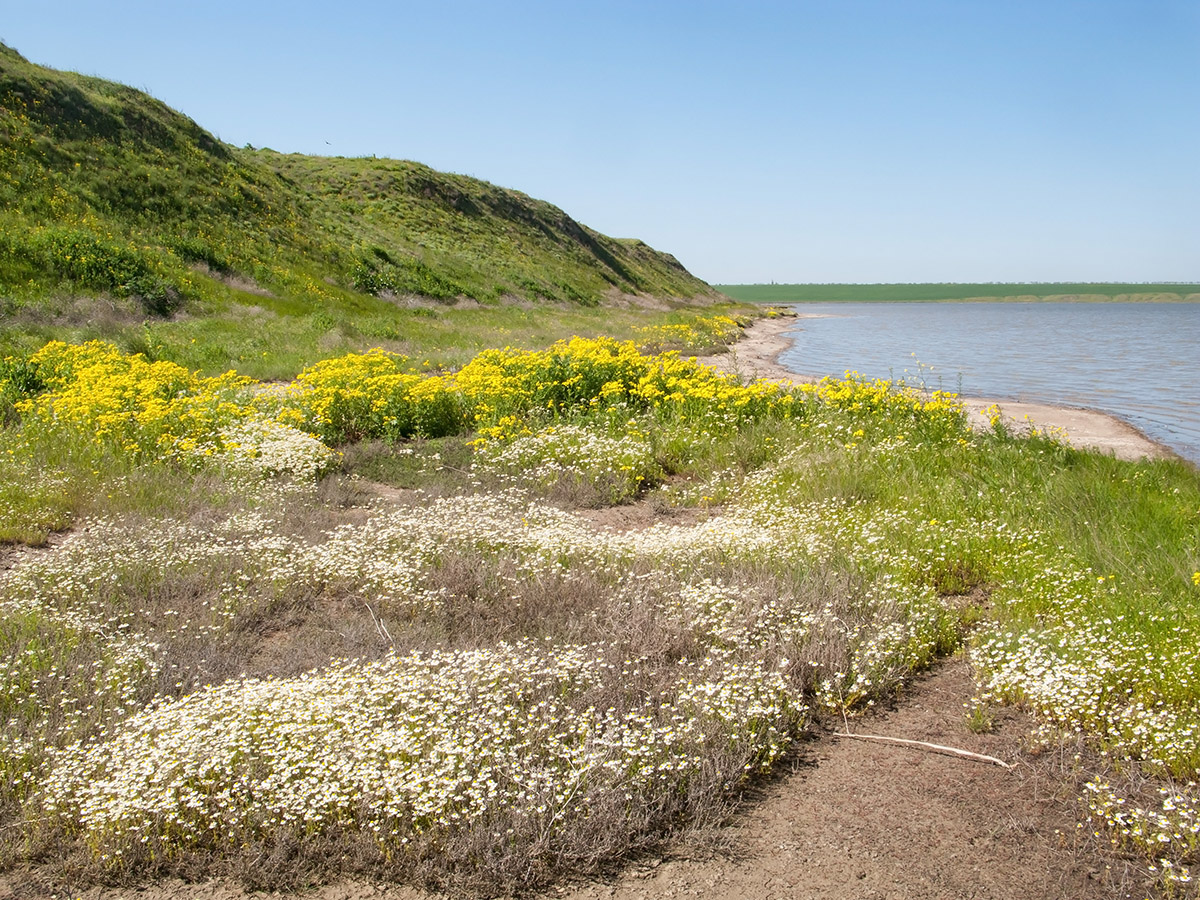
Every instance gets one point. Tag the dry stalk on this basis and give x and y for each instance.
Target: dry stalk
(384, 634)
(925, 745)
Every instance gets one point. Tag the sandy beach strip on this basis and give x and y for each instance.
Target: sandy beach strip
(756, 356)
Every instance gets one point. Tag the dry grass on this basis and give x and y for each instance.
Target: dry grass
(489, 599)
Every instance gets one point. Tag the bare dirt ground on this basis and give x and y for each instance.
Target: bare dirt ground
(12, 555)
(854, 820)
(756, 355)
(867, 821)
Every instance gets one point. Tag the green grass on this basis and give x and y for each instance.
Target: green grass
(49, 479)
(270, 347)
(917, 293)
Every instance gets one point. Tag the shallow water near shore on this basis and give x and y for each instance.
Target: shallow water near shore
(1137, 361)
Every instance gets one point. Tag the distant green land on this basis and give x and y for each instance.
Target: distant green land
(917, 293)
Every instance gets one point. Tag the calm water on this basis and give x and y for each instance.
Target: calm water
(1137, 361)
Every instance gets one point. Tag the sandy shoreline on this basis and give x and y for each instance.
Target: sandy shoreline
(756, 355)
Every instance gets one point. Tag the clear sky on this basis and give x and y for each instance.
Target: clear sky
(846, 140)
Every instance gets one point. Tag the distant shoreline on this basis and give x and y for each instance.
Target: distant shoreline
(756, 355)
(1032, 292)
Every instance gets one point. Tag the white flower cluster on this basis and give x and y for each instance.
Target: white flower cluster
(619, 467)
(409, 744)
(1123, 679)
(434, 740)
(1115, 677)
(272, 448)
(43, 676)
(1165, 832)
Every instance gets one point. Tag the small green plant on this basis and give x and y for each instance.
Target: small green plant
(980, 719)
(409, 276)
(19, 380)
(952, 577)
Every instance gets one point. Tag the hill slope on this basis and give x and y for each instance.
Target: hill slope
(106, 192)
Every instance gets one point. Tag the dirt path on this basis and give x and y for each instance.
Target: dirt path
(866, 820)
(756, 355)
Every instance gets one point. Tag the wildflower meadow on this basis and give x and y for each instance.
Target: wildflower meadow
(238, 655)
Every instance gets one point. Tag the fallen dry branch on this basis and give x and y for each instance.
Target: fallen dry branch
(925, 745)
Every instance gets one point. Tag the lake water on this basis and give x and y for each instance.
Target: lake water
(1137, 361)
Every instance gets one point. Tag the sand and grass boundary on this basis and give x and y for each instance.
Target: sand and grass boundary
(757, 354)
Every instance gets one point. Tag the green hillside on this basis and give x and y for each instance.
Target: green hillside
(121, 218)
(917, 293)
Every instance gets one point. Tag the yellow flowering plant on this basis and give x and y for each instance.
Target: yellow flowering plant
(157, 410)
(148, 409)
(373, 394)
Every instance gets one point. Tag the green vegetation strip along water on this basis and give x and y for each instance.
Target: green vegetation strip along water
(249, 663)
(917, 293)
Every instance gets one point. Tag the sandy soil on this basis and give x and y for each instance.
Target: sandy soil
(757, 356)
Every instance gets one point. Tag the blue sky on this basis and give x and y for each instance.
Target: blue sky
(976, 140)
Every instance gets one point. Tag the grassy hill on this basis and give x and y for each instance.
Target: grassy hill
(918, 293)
(124, 219)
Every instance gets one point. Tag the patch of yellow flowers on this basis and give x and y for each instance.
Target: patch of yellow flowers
(158, 409)
(700, 334)
(149, 409)
(154, 410)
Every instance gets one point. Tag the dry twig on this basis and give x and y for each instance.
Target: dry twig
(925, 745)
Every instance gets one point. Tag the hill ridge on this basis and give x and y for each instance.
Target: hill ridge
(108, 192)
